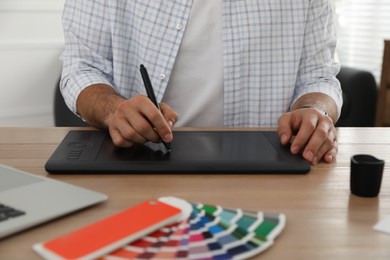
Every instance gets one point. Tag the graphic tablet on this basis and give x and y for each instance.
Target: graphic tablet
(92, 151)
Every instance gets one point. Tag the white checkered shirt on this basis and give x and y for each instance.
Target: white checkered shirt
(274, 51)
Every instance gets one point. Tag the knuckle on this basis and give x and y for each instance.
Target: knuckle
(141, 128)
(282, 118)
(137, 98)
(129, 135)
(329, 142)
(134, 102)
(154, 116)
(164, 106)
(118, 141)
(322, 133)
(122, 107)
(335, 148)
(310, 127)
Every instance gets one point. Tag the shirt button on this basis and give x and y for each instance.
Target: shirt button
(179, 26)
(162, 76)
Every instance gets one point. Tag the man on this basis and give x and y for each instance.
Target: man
(264, 63)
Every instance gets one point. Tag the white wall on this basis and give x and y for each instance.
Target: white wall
(31, 41)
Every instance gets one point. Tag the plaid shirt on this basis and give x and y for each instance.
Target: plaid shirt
(274, 51)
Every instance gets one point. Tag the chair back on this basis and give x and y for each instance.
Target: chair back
(62, 115)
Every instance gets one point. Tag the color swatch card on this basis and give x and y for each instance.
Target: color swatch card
(169, 228)
(107, 235)
(206, 232)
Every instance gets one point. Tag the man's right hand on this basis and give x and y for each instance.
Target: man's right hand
(138, 120)
(129, 121)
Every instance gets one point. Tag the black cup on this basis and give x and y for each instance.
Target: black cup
(366, 175)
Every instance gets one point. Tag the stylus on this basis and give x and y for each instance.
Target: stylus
(151, 95)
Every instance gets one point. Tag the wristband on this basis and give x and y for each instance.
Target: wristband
(323, 111)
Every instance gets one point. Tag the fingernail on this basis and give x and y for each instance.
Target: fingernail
(170, 123)
(284, 139)
(295, 149)
(168, 138)
(309, 156)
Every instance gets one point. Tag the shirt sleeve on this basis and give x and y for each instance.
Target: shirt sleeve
(318, 69)
(87, 57)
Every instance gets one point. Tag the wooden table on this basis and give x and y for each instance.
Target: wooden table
(324, 221)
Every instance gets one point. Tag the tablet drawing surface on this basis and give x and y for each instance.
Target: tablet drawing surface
(92, 151)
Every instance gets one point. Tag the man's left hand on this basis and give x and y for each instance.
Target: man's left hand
(311, 132)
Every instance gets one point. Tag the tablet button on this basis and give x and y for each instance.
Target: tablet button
(74, 155)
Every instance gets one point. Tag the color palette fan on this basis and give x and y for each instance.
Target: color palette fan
(207, 232)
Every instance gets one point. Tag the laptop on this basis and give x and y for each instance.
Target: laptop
(27, 200)
(92, 151)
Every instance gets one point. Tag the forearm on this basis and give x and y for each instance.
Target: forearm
(317, 85)
(319, 101)
(97, 103)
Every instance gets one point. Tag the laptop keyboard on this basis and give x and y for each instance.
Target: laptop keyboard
(7, 212)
